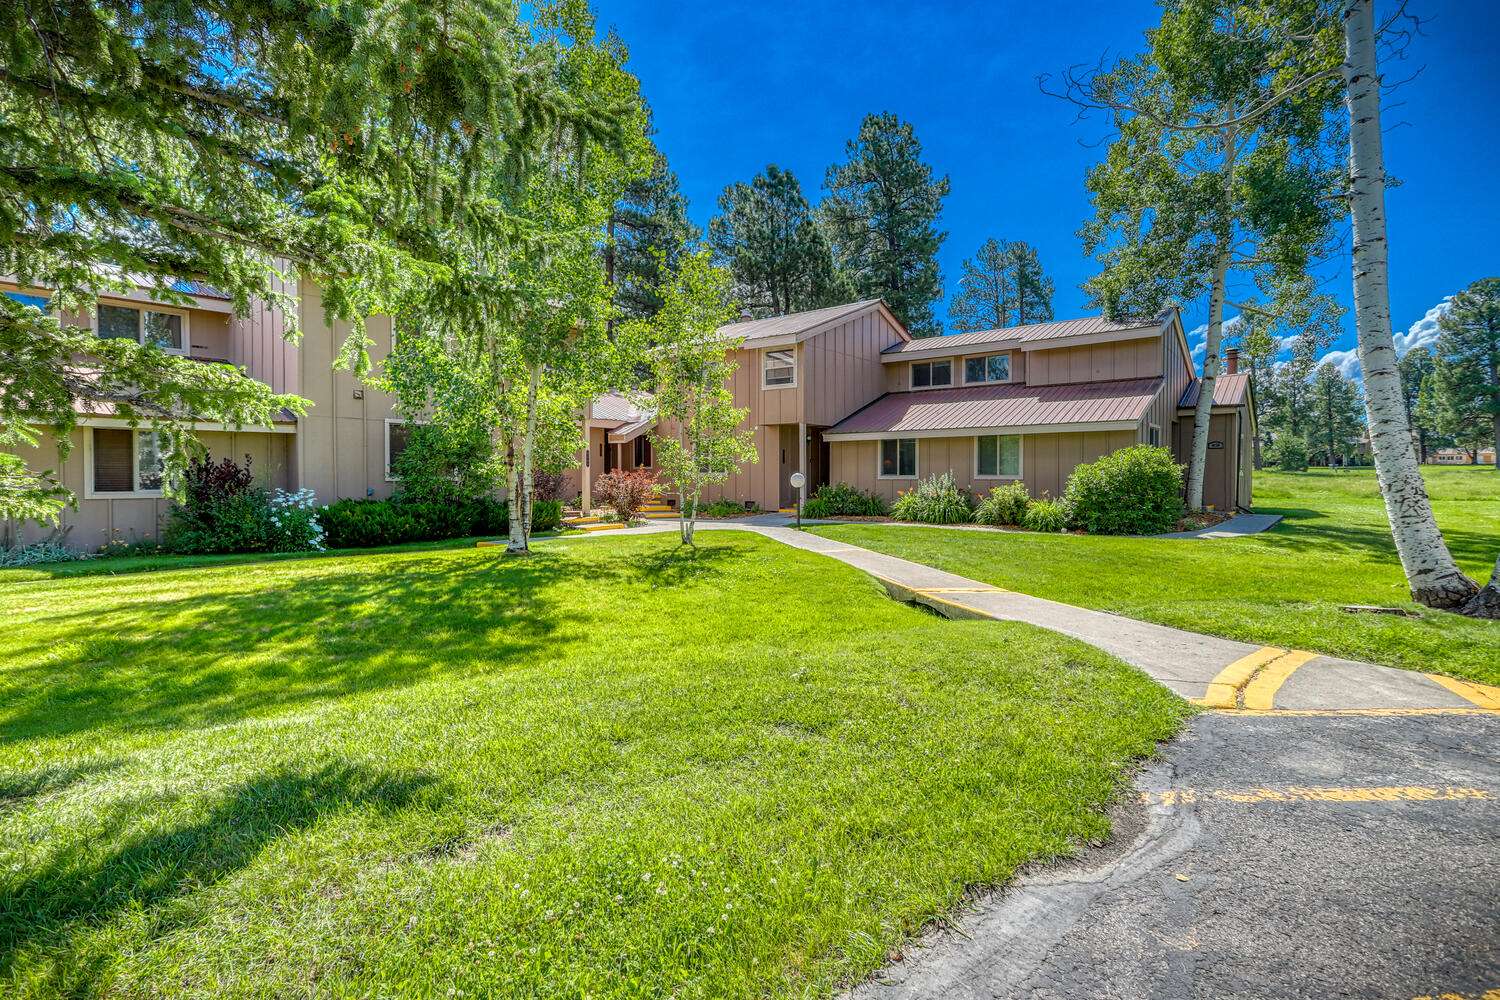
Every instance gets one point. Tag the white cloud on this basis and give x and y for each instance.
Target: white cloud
(1345, 361)
(1424, 332)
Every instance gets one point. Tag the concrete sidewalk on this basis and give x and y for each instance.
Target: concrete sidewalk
(1217, 673)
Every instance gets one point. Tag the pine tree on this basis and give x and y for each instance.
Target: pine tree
(1415, 368)
(766, 236)
(881, 216)
(650, 226)
(1336, 412)
(1003, 284)
(1470, 348)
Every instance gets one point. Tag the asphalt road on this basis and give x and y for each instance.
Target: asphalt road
(1265, 857)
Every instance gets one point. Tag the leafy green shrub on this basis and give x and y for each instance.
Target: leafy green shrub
(725, 508)
(1135, 491)
(1288, 453)
(360, 524)
(1047, 515)
(935, 500)
(119, 548)
(445, 463)
(294, 522)
(36, 553)
(843, 500)
(1004, 505)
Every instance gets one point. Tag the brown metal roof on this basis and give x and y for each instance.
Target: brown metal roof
(615, 406)
(998, 407)
(1087, 326)
(755, 332)
(627, 433)
(1229, 390)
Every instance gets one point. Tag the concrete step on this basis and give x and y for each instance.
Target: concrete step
(655, 506)
(603, 526)
(660, 515)
(582, 519)
(786, 510)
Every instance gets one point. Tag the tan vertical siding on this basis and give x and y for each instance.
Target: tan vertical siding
(1223, 472)
(1127, 359)
(843, 368)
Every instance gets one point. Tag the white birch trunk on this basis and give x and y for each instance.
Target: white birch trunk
(528, 448)
(1433, 576)
(516, 541)
(1203, 412)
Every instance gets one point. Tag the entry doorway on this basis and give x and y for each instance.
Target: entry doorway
(819, 459)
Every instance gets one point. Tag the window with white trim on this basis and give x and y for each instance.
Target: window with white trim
(990, 368)
(125, 462)
(898, 458)
(166, 328)
(778, 369)
(397, 434)
(927, 374)
(997, 456)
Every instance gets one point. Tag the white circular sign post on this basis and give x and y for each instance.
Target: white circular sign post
(798, 480)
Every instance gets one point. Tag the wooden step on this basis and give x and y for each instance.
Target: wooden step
(603, 526)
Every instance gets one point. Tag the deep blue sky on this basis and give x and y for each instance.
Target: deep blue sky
(736, 86)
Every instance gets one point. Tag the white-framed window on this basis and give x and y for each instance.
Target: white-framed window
(159, 325)
(778, 369)
(997, 456)
(123, 463)
(397, 433)
(1153, 436)
(898, 458)
(931, 374)
(989, 368)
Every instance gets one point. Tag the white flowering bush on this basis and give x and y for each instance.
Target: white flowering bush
(294, 522)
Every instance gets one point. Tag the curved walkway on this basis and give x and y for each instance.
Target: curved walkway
(1210, 671)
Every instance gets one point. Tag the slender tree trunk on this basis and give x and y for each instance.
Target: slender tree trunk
(517, 538)
(1433, 576)
(1203, 413)
(528, 449)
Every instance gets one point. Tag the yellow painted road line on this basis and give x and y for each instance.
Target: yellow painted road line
(1371, 712)
(1260, 693)
(1481, 695)
(1223, 691)
(1295, 793)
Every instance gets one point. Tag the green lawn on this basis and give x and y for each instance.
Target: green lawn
(609, 770)
(1283, 587)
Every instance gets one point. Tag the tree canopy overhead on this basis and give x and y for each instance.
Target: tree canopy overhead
(1003, 285)
(765, 234)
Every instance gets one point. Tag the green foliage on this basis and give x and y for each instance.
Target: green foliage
(843, 500)
(726, 508)
(359, 523)
(690, 368)
(881, 217)
(444, 462)
(220, 509)
(1005, 505)
(935, 500)
(1049, 516)
(1002, 286)
(650, 226)
(1135, 491)
(766, 236)
(1467, 371)
(37, 553)
(1337, 416)
(1288, 453)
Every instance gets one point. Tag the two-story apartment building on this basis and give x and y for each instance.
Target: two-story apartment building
(845, 394)
(341, 448)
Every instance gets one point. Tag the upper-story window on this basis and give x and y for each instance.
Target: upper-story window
(927, 374)
(778, 369)
(166, 328)
(990, 368)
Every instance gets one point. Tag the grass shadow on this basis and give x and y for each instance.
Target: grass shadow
(1302, 527)
(76, 889)
(17, 787)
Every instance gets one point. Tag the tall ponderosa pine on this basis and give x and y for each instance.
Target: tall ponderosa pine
(881, 216)
(162, 143)
(766, 236)
(1220, 172)
(1470, 348)
(650, 225)
(1002, 285)
(1431, 572)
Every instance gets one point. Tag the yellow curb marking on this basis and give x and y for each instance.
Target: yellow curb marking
(1260, 693)
(1223, 691)
(1481, 695)
(1315, 712)
(1486, 995)
(1381, 793)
